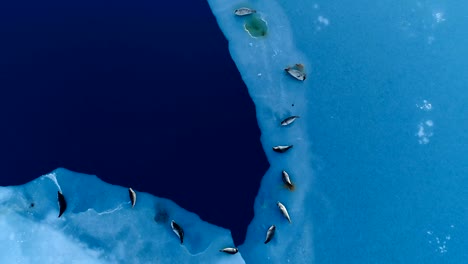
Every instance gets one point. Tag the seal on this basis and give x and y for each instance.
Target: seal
(178, 231)
(270, 234)
(297, 71)
(281, 149)
(287, 180)
(289, 120)
(62, 203)
(284, 211)
(229, 250)
(244, 11)
(132, 195)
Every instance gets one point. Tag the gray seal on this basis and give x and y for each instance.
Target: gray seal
(289, 120)
(282, 149)
(132, 195)
(270, 234)
(284, 211)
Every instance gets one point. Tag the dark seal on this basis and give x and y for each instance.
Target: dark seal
(62, 203)
(178, 231)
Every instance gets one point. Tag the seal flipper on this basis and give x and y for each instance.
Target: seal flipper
(289, 120)
(62, 203)
(244, 11)
(281, 149)
(284, 211)
(297, 72)
(287, 180)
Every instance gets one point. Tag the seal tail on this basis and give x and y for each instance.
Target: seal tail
(290, 187)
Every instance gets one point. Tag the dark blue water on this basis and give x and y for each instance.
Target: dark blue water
(138, 93)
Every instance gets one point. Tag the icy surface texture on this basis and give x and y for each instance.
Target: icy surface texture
(100, 225)
(380, 150)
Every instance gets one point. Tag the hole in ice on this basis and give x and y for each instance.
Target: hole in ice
(161, 215)
(256, 26)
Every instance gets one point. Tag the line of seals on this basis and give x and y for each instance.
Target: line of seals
(298, 73)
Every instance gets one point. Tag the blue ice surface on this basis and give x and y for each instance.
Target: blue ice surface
(380, 153)
(379, 158)
(99, 225)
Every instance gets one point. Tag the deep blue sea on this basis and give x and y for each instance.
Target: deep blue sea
(139, 93)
